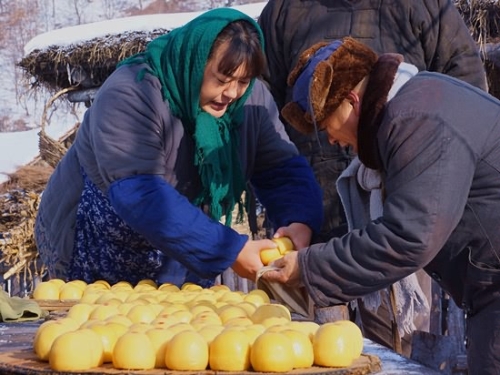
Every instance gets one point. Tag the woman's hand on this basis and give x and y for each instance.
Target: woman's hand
(248, 261)
(288, 271)
(299, 233)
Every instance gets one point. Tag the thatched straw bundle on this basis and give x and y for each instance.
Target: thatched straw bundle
(83, 65)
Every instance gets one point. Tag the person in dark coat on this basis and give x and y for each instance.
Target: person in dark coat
(165, 153)
(430, 34)
(440, 184)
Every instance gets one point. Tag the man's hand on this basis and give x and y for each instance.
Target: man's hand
(299, 233)
(287, 271)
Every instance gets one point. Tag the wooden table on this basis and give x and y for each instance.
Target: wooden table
(18, 336)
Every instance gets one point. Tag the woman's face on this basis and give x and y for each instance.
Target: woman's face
(342, 125)
(218, 90)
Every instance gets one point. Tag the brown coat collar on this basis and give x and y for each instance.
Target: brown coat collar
(372, 108)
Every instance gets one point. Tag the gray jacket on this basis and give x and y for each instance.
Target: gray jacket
(439, 145)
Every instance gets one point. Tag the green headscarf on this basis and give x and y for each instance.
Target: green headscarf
(178, 59)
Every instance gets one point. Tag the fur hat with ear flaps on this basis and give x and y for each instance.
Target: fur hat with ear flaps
(322, 79)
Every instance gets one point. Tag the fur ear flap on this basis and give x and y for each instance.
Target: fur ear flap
(296, 117)
(318, 93)
(304, 58)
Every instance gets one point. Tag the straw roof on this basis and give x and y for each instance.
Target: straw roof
(85, 64)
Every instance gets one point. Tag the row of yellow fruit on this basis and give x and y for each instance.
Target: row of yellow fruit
(78, 290)
(110, 311)
(278, 348)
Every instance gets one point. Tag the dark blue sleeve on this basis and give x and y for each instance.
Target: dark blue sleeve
(290, 194)
(166, 218)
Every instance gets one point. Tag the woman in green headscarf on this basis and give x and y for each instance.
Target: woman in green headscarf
(165, 153)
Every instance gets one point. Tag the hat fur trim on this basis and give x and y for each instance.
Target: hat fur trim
(331, 81)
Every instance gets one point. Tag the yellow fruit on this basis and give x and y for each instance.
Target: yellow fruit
(220, 287)
(354, 335)
(247, 306)
(76, 351)
(89, 297)
(70, 291)
(102, 312)
(302, 348)
(139, 327)
(159, 338)
(108, 339)
(207, 317)
(284, 244)
(80, 312)
(307, 327)
(122, 285)
(101, 282)
(59, 282)
(47, 290)
(332, 347)
(180, 327)
(269, 255)
(134, 351)
(148, 282)
(230, 297)
(82, 284)
(169, 287)
(191, 286)
(144, 288)
(210, 331)
(46, 335)
(187, 351)
(239, 321)
(270, 310)
(141, 314)
(230, 351)
(272, 352)
(230, 312)
(164, 322)
(199, 308)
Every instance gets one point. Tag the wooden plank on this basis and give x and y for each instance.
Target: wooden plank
(24, 362)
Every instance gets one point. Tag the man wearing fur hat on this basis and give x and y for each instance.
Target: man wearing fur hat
(430, 34)
(439, 198)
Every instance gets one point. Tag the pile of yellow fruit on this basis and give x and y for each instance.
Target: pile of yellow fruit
(147, 326)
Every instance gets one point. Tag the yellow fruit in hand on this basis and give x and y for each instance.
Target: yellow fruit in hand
(76, 351)
(230, 351)
(272, 352)
(284, 244)
(269, 255)
(134, 351)
(47, 290)
(302, 348)
(187, 351)
(332, 347)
